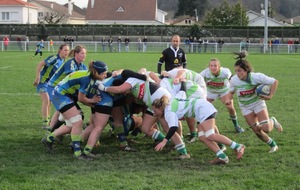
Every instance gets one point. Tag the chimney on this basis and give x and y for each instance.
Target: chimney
(51, 5)
(292, 21)
(70, 7)
(92, 3)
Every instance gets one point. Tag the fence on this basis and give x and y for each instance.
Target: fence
(156, 47)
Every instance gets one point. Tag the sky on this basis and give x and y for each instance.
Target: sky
(79, 3)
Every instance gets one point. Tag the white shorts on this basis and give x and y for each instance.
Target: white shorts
(214, 96)
(254, 107)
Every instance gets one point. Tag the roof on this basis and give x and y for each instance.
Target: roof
(77, 9)
(295, 19)
(15, 2)
(122, 10)
(59, 8)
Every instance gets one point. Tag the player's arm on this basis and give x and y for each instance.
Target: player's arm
(38, 71)
(160, 62)
(116, 89)
(88, 101)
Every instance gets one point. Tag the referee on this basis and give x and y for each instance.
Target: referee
(173, 56)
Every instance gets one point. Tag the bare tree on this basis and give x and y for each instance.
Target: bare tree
(54, 18)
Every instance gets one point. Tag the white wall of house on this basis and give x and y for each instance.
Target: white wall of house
(160, 15)
(18, 15)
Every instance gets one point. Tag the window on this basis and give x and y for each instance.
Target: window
(5, 15)
(14, 16)
(120, 9)
(40, 14)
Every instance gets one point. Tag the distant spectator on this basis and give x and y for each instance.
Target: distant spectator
(110, 44)
(276, 45)
(19, 41)
(220, 44)
(290, 45)
(139, 45)
(126, 41)
(145, 40)
(187, 44)
(205, 43)
(103, 44)
(66, 39)
(296, 45)
(261, 45)
(247, 43)
(51, 45)
(213, 44)
(5, 42)
(242, 45)
(119, 41)
(200, 42)
(27, 43)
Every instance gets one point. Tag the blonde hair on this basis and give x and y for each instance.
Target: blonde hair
(77, 49)
(161, 102)
(215, 59)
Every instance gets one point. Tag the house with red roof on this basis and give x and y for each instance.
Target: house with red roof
(127, 12)
(18, 12)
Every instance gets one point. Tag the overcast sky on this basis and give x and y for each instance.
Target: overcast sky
(79, 3)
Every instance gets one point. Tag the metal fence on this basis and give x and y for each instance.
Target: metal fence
(155, 47)
(155, 33)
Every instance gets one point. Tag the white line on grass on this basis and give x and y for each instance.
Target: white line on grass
(19, 94)
(5, 67)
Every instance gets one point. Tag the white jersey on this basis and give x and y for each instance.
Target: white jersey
(245, 90)
(217, 84)
(146, 91)
(190, 75)
(200, 109)
(193, 90)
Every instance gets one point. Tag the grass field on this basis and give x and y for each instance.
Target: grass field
(24, 164)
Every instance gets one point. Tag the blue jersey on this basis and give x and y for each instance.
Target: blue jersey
(39, 46)
(74, 82)
(53, 62)
(68, 67)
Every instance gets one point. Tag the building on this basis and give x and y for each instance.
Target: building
(256, 19)
(54, 13)
(127, 12)
(18, 12)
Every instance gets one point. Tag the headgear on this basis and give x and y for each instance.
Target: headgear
(100, 66)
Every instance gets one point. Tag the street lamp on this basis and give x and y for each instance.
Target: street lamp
(266, 27)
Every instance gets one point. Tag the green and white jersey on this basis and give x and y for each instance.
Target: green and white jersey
(217, 84)
(190, 75)
(245, 90)
(193, 90)
(200, 109)
(146, 91)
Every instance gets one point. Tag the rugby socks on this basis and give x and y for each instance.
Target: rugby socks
(194, 134)
(76, 139)
(181, 148)
(234, 120)
(87, 150)
(157, 135)
(221, 154)
(51, 138)
(271, 142)
(234, 145)
(119, 130)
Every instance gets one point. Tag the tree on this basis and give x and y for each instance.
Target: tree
(227, 16)
(191, 7)
(54, 18)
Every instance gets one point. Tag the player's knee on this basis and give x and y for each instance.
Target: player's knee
(72, 120)
(209, 134)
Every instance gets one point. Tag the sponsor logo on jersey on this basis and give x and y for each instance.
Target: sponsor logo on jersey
(215, 84)
(247, 92)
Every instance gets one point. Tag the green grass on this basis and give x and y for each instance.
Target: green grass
(24, 164)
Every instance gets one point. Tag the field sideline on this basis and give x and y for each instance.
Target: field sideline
(24, 164)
